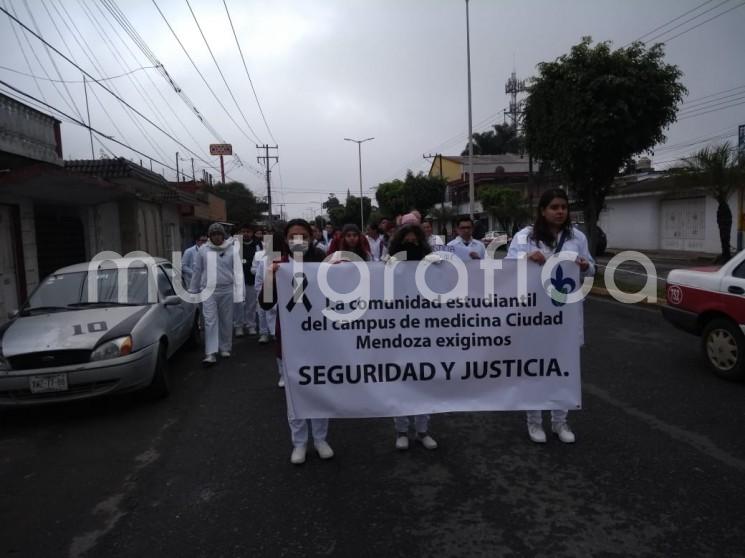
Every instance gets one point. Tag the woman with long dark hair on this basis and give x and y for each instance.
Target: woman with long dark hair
(552, 233)
(351, 240)
(296, 238)
(410, 240)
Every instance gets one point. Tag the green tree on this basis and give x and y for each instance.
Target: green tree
(331, 202)
(721, 173)
(241, 204)
(349, 212)
(417, 191)
(503, 139)
(507, 206)
(593, 109)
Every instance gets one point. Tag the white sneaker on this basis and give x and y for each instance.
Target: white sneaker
(427, 441)
(536, 433)
(225, 354)
(565, 434)
(402, 441)
(298, 455)
(263, 338)
(209, 360)
(324, 450)
(281, 383)
(239, 332)
(252, 331)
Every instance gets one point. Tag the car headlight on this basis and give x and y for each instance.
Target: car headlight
(115, 348)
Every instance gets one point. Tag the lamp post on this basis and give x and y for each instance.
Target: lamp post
(471, 188)
(359, 156)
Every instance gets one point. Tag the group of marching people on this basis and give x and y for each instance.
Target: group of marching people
(244, 299)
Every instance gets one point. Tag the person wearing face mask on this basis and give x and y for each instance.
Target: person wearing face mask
(410, 240)
(217, 310)
(245, 312)
(297, 236)
(552, 233)
(351, 241)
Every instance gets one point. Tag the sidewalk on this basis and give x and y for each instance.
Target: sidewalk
(668, 258)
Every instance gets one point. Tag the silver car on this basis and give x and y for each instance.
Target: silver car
(62, 345)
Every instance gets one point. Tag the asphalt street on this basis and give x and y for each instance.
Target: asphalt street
(657, 469)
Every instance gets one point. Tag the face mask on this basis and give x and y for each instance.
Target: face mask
(413, 251)
(296, 247)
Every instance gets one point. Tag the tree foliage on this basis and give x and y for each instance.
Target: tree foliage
(721, 172)
(241, 204)
(503, 139)
(348, 212)
(506, 205)
(416, 191)
(593, 109)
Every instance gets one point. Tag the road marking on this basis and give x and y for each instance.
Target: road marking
(698, 442)
(111, 507)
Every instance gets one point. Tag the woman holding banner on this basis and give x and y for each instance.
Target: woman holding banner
(297, 237)
(552, 233)
(410, 240)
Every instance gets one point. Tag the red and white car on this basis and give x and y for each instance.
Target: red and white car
(710, 302)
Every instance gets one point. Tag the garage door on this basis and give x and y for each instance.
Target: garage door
(683, 224)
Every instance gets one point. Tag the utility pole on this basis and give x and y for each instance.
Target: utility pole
(88, 111)
(267, 159)
(193, 178)
(177, 176)
(362, 198)
(471, 186)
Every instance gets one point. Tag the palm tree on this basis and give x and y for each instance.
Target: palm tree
(721, 172)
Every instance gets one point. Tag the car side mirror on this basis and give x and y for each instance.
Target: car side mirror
(172, 300)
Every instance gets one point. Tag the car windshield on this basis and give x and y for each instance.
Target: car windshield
(65, 290)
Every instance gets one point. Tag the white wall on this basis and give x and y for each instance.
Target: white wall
(102, 229)
(632, 223)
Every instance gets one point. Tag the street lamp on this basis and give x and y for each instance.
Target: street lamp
(359, 155)
(471, 187)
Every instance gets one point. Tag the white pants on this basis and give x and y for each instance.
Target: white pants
(421, 423)
(536, 417)
(217, 311)
(267, 321)
(299, 430)
(244, 313)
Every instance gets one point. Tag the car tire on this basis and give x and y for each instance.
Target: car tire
(723, 347)
(159, 387)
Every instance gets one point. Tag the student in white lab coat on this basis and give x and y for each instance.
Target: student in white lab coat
(189, 257)
(551, 233)
(217, 310)
(464, 245)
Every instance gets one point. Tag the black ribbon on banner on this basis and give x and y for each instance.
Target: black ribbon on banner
(298, 290)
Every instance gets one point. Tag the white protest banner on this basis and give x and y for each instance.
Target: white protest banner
(407, 355)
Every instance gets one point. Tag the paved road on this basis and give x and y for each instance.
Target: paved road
(657, 470)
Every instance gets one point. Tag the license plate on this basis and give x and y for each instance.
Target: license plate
(44, 384)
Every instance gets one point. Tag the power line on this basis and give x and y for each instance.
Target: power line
(711, 110)
(225, 81)
(72, 80)
(84, 125)
(698, 24)
(248, 75)
(129, 29)
(25, 58)
(712, 104)
(230, 116)
(39, 37)
(669, 22)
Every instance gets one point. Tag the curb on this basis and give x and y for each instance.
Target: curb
(607, 293)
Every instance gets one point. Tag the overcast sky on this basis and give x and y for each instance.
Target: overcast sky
(329, 69)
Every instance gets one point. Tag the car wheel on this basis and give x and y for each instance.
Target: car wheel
(159, 387)
(723, 345)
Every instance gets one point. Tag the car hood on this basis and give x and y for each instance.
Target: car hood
(55, 331)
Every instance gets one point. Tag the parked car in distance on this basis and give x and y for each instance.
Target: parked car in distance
(710, 302)
(62, 345)
(500, 237)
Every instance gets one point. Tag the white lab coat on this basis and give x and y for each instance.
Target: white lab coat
(378, 249)
(217, 310)
(522, 245)
(463, 250)
(267, 318)
(187, 264)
